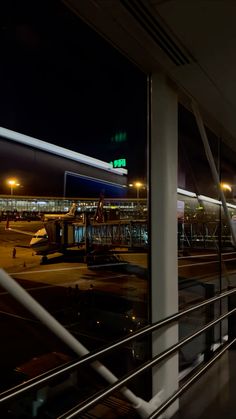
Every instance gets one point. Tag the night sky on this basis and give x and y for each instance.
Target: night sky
(62, 83)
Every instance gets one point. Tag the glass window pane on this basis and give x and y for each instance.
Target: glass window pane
(75, 194)
(199, 238)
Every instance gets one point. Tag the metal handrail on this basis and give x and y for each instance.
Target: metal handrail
(189, 382)
(93, 400)
(44, 378)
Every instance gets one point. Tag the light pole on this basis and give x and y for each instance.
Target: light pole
(138, 185)
(12, 183)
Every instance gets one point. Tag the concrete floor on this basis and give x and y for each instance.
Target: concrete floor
(200, 403)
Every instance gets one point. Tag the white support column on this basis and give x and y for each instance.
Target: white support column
(163, 205)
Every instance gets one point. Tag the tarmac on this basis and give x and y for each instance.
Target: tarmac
(24, 258)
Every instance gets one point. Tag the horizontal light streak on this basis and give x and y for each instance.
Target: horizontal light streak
(203, 198)
(231, 206)
(208, 199)
(187, 193)
(95, 179)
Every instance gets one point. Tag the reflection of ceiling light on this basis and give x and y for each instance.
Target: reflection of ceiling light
(208, 199)
(203, 198)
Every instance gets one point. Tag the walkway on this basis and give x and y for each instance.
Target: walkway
(224, 406)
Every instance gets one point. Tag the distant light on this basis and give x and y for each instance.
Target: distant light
(136, 184)
(119, 137)
(13, 182)
(226, 186)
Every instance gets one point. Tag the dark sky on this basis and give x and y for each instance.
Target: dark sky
(62, 83)
(194, 169)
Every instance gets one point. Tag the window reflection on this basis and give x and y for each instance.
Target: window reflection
(206, 251)
(93, 277)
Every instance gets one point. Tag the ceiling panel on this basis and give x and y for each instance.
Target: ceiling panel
(208, 31)
(204, 30)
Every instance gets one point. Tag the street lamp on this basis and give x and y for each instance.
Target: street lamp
(228, 190)
(226, 187)
(12, 183)
(137, 185)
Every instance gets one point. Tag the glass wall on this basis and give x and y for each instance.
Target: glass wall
(206, 252)
(64, 84)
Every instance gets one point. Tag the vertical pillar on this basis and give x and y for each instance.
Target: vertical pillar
(64, 184)
(163, 206)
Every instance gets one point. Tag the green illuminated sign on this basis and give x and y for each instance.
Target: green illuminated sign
(119, 137)
(118, 163)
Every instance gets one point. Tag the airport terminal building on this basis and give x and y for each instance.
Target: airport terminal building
(49, 170)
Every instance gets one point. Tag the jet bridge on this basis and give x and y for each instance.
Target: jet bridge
(117, 233)
(120, 233)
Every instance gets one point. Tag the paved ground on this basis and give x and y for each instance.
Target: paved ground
(10, 239)
(200, 404)
(54, 284)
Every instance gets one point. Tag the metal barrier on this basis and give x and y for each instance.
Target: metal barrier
(145, 410)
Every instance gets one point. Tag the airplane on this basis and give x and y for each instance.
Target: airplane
(63, 231)
(69, 215)
(48, 239)
(39, 242)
